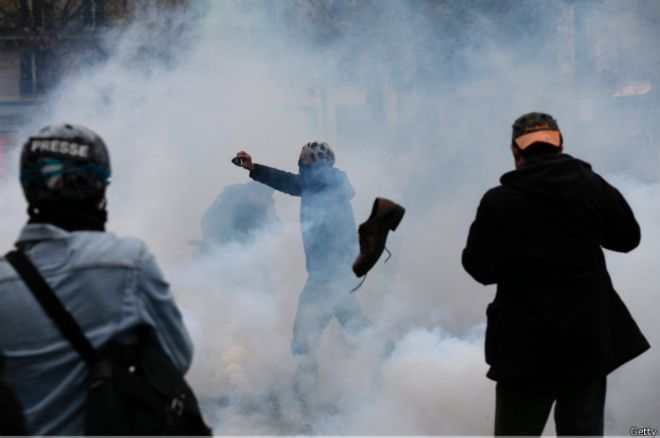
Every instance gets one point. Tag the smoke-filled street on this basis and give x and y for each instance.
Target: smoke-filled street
(416, 99)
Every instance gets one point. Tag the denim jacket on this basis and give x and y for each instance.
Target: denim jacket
(110, 285)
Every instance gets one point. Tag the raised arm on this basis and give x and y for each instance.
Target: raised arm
(280, 180)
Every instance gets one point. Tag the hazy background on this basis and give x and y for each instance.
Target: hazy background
(417, 100)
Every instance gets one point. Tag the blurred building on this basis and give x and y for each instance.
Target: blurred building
(416, 78)
(42, 41)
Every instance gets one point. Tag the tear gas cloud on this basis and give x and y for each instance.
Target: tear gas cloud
(417, 99)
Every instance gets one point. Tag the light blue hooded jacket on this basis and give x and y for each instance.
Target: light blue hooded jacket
(110, 285)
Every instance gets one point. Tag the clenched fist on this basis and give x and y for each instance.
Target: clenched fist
(246, 160)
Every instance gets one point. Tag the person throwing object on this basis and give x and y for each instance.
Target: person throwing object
(330, 244)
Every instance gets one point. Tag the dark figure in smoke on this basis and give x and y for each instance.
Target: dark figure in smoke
(330, 243)
(240, 211)
(239, 215)
(556, 327)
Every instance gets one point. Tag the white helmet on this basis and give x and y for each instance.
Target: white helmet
(317, 152)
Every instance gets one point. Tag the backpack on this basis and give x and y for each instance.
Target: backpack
(12, 421)
(132, 389)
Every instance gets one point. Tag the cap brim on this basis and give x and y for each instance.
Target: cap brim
(549, 137)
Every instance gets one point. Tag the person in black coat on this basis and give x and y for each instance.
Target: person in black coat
(330, 243)
(556, 327)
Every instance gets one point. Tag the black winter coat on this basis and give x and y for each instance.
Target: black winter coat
(326, 216)
(538, 236)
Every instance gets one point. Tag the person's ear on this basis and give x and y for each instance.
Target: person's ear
(517, 158)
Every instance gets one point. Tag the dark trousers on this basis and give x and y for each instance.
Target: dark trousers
(523, 408)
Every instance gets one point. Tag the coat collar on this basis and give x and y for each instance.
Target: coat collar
(37, 232)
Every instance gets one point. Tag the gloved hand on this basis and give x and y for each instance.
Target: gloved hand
(246, 160)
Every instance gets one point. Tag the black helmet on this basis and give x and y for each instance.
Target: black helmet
(64, 163)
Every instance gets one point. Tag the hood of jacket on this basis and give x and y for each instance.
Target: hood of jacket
(326, 178)
(558, 177)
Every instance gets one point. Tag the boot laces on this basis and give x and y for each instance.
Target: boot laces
(359, 285)
(389, 255)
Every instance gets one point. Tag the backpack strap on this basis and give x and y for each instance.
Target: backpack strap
(52, 305)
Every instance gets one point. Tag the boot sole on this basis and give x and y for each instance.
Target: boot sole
(397, 215)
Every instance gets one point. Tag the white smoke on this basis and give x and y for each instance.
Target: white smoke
(175, 105)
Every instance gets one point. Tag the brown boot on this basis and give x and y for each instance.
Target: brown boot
(385, 216)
